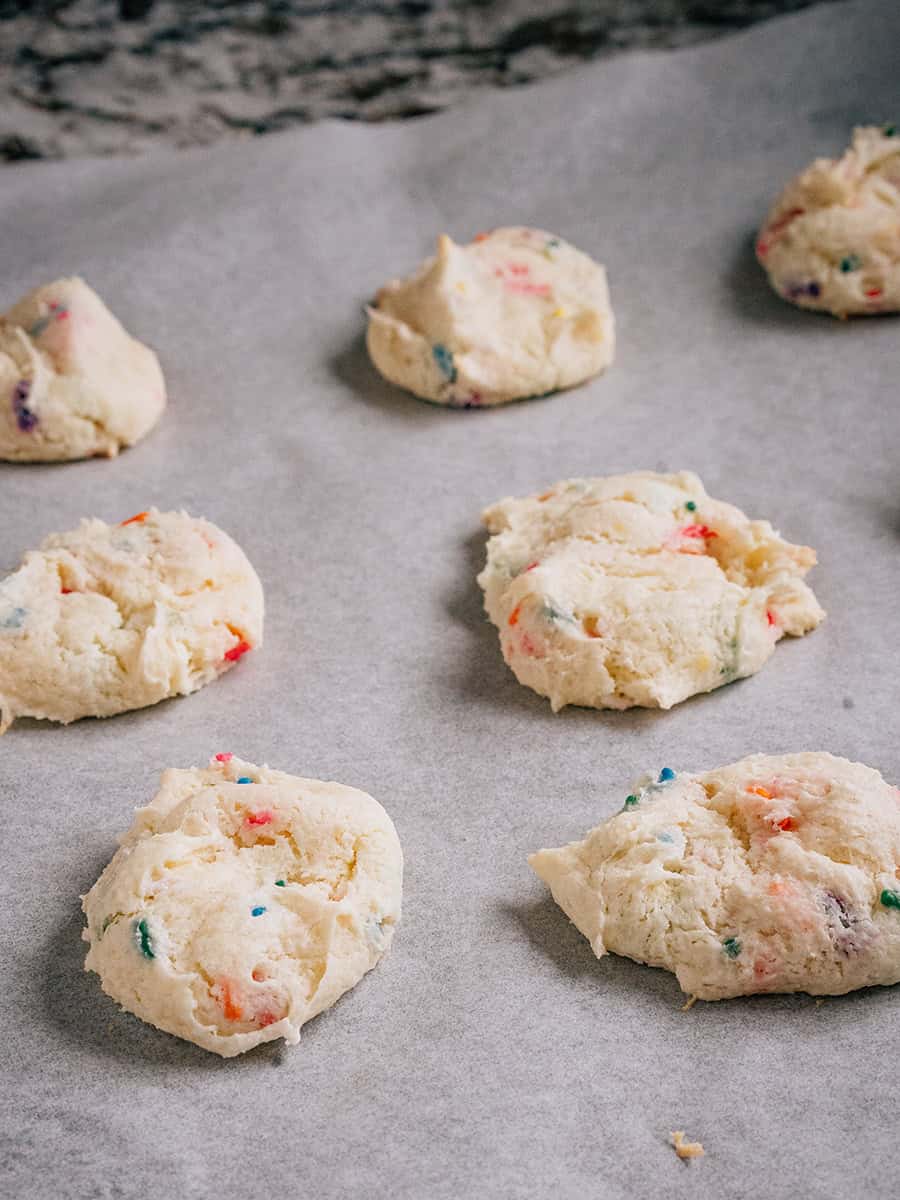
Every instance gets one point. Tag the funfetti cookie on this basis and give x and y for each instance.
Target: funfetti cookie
(108, 618)
(638, 589)
(73, 383)
(832, 239)
(243, 902)
(515, 313)
(774, 874)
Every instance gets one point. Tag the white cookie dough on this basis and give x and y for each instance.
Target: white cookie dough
(73, 383)
(108, 618)
(638, 590)
(832, 240)
(243, 902)
(774, 874)
(515, 313)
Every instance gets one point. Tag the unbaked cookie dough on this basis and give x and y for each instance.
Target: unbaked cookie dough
(108, 618)
(515, 313)
(832, 240)
(774, 874)
(638, 590)
(243, 902)
(73, 383)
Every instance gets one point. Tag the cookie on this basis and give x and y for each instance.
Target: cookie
(774, 874)
(832, 239)
(243, 902)
(515, 313)
(73, 383)
(108, 618)
(638, 590)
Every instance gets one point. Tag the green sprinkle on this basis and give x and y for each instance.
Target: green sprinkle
(631, 801)
(279, 883)
(890, 131)
(691, 506)
(142, 936)
(444, 359)
(732, 947)
(851, 263)
(890, 899)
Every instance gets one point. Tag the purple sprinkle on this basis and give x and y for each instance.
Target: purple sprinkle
(25, 418)
(814, 289)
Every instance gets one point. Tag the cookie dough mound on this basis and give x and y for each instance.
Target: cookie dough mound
(242, 902)
(108, 618)
(832, 241)
(73, 383)
(515, 313)
(638, 590)
(774, 874)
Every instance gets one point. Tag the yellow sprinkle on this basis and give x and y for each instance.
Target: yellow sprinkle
(559, 312)
(685, 1149)
(690, 1004)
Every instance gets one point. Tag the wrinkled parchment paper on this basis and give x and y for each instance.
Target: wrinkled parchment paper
(490, 1055)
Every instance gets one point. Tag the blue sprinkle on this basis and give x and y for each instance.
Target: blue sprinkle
(444, 359)
(666, 774)
(245, 779)
(665, 837)
(258, 911)
(14, 620)
(814, 289)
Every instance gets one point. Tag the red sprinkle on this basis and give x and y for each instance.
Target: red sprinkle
(264, 817)
(138, 518)
(224, 757)
(237, 651)
(873, 293)
(787, 823)
(770, 616)
(531, 567)
(67, 591)
(514, 615)
(698, 531)
(267, 1018)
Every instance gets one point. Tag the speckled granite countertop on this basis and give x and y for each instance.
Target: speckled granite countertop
(97, 77)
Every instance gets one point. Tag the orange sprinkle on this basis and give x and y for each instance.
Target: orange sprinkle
(137, 519)
(480, 237)
(590, 627)
(760, 791)
(230, 1006)
(514, 615)
(546, 495)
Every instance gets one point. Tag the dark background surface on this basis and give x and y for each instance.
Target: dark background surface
(103, 77)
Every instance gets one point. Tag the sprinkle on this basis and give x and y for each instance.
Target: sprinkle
(258, 911)
(25, 418)
(559, 312)
(890, 899)
(851, 263)
(137, 519)
(444, 359)
(56, 310)
(224, 758)
(685, 1149)
(691, 506)
(280, 883)
(665, 837)
(632, 801)
(514, 615)
(665, 775)
(814, 289)
(481, 237)
(245, 779)
(14, 620)
(143, 939)
(732, 947)
(770, 616)
(786, 824)
(873, 293)
(531, 567)
(545, 496)
(589, 624)
(230, 1006)
(760, 791)
(237, 651)
(260, 818)
(67, 591)
(890, 131)
(698, 531)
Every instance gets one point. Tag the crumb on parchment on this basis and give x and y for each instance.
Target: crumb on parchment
(685, 1149)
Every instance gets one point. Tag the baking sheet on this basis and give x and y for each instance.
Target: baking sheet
(490, 1054)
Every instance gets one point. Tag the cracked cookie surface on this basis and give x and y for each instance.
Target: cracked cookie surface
(73, 383)
(243, 902)
(638, 589)
(107, 618)
(832, 239)
(515, 313)
(773, 874)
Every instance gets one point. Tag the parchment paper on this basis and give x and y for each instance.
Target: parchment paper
(490, 1055)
